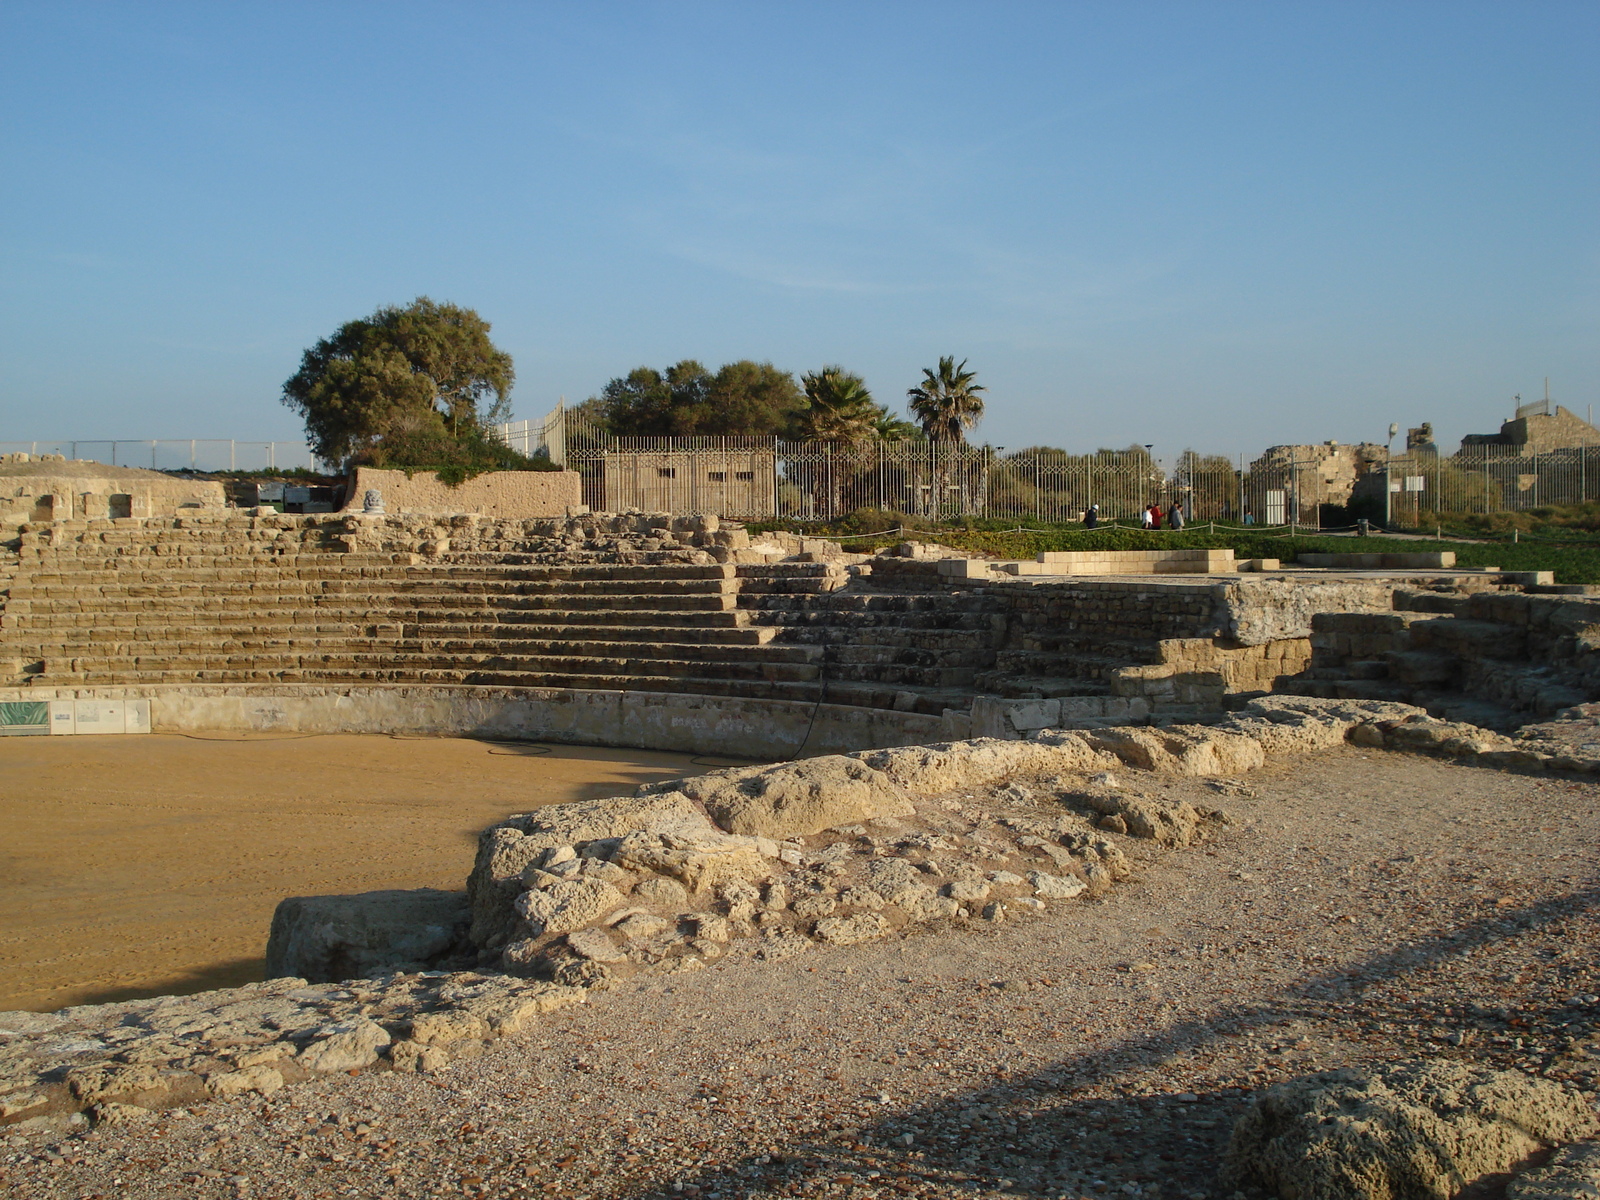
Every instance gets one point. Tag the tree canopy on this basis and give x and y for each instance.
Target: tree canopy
(426, 374)
(946, 403)
(742, 399)
(839, 406)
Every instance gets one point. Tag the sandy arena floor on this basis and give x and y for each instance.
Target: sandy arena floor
(1361, 907)
(137, 866)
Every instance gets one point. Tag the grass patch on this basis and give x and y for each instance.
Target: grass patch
(1574, 560)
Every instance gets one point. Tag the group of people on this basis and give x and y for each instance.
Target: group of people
(1151, 517)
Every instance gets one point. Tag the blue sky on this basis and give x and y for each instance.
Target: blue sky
(1209, 224)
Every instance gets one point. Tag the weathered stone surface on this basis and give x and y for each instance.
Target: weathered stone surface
(16, 1104)
(506, 850)
(967, 891)
(264, 1080)
(1284, 725)
(1181, 749)
(657, 892)
(109, 1112)
(1573, 1173)
(324, 939)
(445, 1028)
(345, 1046)
(1413, 1131)
(1056, 887)
(798, 798)
(893, 877)
(699, 864)
(567, 904)
(1169, 824)
(509, 1005)
(29, 1022)
(117, 1082)
(983, 762)
(851, 931)
(414, 1057)
(596, 944)
(660, 811)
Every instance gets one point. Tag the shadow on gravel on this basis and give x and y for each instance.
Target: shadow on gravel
(1020, 1134)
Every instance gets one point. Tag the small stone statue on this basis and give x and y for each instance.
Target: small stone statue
(372, 502)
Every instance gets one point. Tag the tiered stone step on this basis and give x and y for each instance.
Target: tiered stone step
(317, 618)
(687, 683)
(357, 662)
(1447, 654)
(916, 652)
(238, 601)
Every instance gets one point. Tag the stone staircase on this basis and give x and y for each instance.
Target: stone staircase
(621, 602)
(913, 652)
(207, 606)
(1497, 659)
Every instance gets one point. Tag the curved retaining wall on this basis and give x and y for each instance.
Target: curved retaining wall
(767, 729)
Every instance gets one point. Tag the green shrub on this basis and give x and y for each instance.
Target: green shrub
(455, 458)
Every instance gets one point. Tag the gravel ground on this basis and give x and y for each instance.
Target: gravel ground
(1361, 907)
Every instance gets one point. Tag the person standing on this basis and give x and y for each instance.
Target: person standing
(1091, 516)
(1175, 515)
(1144, 517)
(1155, 514)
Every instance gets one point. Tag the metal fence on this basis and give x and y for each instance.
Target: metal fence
(545, 438)
(769, 478)
(1491, 479)
(178, 454)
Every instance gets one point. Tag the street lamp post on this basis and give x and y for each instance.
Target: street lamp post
(1388, 454)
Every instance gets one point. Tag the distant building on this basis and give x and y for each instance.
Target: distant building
(1536, 429)
(729, 482)
(1291, 482)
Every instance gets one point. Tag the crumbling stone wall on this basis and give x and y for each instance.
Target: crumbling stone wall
(494, 494)
(1527, 655)
(50, 487)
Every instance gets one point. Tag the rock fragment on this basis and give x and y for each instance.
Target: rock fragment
(1412, 1131)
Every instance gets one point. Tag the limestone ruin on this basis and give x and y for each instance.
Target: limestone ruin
(51, 487)
(964, 742)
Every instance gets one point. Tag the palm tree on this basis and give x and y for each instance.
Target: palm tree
(889, 427)
(841, 406)
(946, 404)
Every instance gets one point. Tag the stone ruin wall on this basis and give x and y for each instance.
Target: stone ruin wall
(1499, 658)
(511, 494)
(77, 492)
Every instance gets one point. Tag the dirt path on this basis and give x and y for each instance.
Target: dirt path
(137, 866)
(1362, 907)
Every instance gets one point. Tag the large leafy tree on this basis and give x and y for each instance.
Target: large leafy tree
(420, 373)
(741, 399)
(946, 403)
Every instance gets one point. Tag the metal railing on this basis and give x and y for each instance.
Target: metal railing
(747, 478)
(769, 478)
(1491, 479)
(543, 438)
(178, 454)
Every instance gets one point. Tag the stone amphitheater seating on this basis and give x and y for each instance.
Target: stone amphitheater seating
(281, 600)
